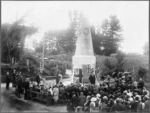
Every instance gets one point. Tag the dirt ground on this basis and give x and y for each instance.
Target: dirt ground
(10, 103)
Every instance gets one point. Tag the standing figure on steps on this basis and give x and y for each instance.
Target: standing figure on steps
(92, 78)
(7, 80)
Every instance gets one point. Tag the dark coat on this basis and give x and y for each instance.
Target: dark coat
(140, 84)
(92, 79)
(82, 100)
(26, 85)
(74, 101)
(13, 77)
(8, 78)
(117, 107)
(134, 106)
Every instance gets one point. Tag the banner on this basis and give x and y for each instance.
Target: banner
(86, 71)
(76, 71)
(76, 80)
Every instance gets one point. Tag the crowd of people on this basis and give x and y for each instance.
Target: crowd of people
(119, 93)
(115, 93)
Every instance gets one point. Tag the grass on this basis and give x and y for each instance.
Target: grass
(130, 61)
(14, 102)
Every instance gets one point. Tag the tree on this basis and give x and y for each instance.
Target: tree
(120, 58)
(110, 30)
(146, 49)
(68, 41)
(142, 72)
(61, 41)
(97, 40)
(13, 38)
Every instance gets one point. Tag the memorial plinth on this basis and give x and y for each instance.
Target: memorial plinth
(84, 55)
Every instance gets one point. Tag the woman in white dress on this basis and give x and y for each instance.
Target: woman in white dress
(55, 94)
(60, 77)
(93, 107)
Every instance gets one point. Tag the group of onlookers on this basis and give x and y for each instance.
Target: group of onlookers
(119, 93)
(115, 93)
(21, 84)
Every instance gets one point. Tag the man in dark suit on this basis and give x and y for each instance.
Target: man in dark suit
(38, 79)
(80, 76)
(140, 84)
(92, 78)
(7, 80)
(26, 87)
(57, 74)
(134, 104)
(13, 78)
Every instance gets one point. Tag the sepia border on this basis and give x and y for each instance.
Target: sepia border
(62, 0)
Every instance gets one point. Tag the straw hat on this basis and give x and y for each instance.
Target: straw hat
(98, 95)
(131, 99)
(93, 99)
(105, 98)
(88, 97)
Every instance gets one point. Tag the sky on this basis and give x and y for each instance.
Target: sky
(49, 15)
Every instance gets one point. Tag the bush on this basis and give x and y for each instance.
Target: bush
(142, 72)
(120, 61)
(110, 64)
(28, 70)
(50, 68)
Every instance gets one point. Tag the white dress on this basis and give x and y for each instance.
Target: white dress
(93, 110)
(60, 77)
(55, 94)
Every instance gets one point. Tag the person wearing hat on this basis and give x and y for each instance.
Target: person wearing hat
(8, 79)
(146, 101)
(93, 107)
(82, 99)
(92, 78)
(87, 104)
(126, 106)
(38, 79)
(26, 87)
(140, 84)
(134, 104)
(104, 106)
(117, 106)
(13, 78)
(110, 103)
(56, 94)
(74, 101)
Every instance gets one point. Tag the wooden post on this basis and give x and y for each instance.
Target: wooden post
(133, 74)
(43, 57)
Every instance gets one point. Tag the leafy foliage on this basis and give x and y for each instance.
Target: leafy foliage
(50, 68)
(146, 49)
(120, 58)
(142, 72)
(13, 38)
(106, 38)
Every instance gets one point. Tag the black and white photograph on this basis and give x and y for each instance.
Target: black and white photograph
(75, 56)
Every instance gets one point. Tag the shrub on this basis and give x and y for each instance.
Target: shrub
(142, 72)
(31, 69)
(120, 61)
(50, 68)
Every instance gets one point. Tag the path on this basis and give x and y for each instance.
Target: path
(9, 103)
(8, 100)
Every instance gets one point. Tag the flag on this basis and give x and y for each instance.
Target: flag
(76, 80)
(41, 67)
(76, 71)
(17, 77)
(90, 69)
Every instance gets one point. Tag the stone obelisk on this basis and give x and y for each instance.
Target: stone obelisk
(84, 54)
